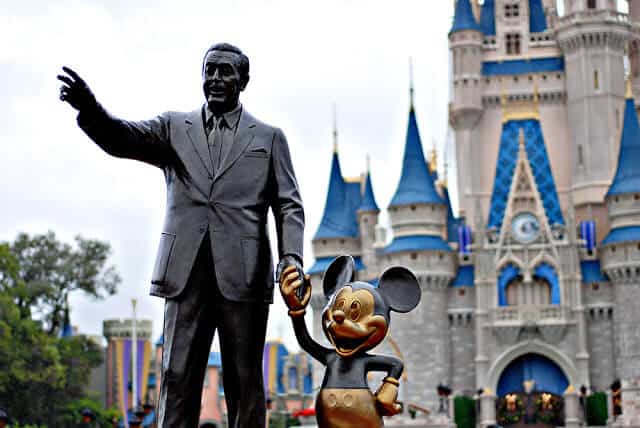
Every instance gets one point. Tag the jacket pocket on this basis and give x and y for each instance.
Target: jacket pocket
(162, 258)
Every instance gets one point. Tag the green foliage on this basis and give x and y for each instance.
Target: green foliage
(73, 412)
(597, 409)
(464, 409)
(42, 272)
(42, 376)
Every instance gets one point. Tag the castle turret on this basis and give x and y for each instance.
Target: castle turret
(621, 248)
(418, 217)
(592, 36)
(465, 107)
(634, 45)
(368, 213)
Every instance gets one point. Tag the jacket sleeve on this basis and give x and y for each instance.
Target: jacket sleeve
(285, 202)
(145, 141)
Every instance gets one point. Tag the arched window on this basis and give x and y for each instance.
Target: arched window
(536, 292)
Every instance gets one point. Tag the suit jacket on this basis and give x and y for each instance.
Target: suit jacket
(231, 205)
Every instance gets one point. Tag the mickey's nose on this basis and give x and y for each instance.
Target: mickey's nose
(338, 316)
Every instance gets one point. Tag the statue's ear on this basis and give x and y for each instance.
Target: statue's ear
(400, 289)
(340, 271)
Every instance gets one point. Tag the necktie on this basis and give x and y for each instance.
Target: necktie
(215, 143)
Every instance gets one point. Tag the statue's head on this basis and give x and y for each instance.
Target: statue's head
(225, 73)
(357, 316)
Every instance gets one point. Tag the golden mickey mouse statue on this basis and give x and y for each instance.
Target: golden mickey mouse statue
(355, 320)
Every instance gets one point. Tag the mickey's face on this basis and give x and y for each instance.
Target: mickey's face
(350, 321)
(356, 318)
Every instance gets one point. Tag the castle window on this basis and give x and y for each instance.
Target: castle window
(413, 207)
(513, 44)
(511, 10)
(341, 241)
(536, 292)
(580, 156)
(414, 256)
(591, 4)
(596, 80)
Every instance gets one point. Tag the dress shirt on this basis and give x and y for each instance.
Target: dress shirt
(220, 132)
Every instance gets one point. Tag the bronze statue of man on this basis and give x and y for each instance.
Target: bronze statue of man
(224, 169)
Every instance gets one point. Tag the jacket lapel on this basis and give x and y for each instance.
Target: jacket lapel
(195, 131)
(244, 136)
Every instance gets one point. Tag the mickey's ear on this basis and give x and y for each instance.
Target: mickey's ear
(400, 289)
(340, 271)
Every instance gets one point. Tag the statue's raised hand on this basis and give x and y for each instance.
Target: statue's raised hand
(75, 91)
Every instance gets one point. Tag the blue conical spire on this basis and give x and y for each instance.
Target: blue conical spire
(416, 184)
(368, 198)
(488, 18)
(464, 18)
(627, 178)
(331, 224)
(537, 18)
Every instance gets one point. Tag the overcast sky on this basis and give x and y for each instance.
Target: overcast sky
(144, 57)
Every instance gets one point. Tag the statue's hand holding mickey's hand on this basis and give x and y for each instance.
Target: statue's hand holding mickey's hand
(76, 92)
(290, 281)
(387, 395)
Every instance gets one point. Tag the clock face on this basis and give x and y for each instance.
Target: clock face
(525, 227)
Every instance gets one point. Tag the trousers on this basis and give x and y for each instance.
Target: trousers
(190, 322)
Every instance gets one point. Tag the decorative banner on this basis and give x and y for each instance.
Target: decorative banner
(124, 362)
(588, 233)
(464, 240)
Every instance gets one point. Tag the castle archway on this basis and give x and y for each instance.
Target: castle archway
(534, 347)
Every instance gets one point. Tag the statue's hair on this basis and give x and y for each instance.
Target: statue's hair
(243, 60)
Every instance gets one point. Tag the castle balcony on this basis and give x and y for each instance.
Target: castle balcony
(528, 314)
(593, 17)
(509, 323)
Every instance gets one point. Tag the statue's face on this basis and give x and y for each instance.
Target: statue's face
(221, 81)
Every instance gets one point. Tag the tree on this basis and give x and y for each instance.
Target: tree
(42, 376)
(42, 272)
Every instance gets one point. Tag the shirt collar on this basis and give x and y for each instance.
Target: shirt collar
(231, 117)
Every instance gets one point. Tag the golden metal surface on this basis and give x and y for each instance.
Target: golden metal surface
(347, 408)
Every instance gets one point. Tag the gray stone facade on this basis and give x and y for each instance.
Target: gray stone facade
(463, 336)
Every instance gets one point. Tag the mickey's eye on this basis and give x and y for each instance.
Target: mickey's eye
(354, 310)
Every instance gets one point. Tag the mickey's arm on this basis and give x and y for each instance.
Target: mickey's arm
(387, 394)
(289, 283)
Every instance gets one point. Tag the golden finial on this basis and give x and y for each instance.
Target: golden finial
(629, 91)
(335, 130)
(411, 89)
(433, 160)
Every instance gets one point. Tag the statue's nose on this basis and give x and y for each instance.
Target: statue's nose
(338, 316)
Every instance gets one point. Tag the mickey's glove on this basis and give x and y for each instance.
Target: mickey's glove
(387, 395)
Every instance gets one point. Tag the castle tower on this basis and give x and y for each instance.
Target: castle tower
(465, 108)
(368, 213)
(418, 217)
(592, 35)
(119, 360)
(634, 45)
(621, 248)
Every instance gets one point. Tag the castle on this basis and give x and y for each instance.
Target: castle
(538, 276)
